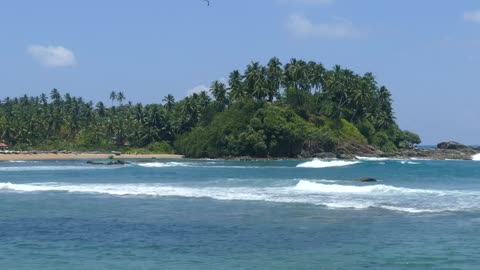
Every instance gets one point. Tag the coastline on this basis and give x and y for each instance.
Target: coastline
(345, 152)
(70, 156)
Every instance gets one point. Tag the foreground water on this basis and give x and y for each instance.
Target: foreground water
(191, 214)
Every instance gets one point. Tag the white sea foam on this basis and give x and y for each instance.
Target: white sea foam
(159, 190)
(476, 157)
(410, 162)
(314, 187)
(322, 181)
(333, 196)
(55, 168)
(383, 159)
(371, 158)
(411, 209)
(317, 163)
(213, 165)
(349, 205)
(422, 159)
(164, 164)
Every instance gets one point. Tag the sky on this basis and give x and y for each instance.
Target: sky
(426, 52)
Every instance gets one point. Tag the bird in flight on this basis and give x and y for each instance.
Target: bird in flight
(208, 2)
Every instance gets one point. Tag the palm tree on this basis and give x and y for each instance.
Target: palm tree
(251, 77)
(203, 100)
(55, 96)
(113, 96)
(295, 75)
(255, 80)
(43, 99)
(315, 74)
(219, 92)
(100, 109)
(236, 86)
(274, 77)
(361, 100)
(169, 102)
(120, 97)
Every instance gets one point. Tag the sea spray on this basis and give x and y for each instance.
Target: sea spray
(317, 163)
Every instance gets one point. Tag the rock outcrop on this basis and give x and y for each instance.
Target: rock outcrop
(367, 179)
(350, 150)
(444, 150)
(115, 162)
(451, 145)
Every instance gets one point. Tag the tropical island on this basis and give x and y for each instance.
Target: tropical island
(300, 109)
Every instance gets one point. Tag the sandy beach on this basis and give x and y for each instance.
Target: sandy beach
(52, 156)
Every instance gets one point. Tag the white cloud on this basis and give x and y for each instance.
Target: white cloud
(472, 16)
(197, 89)
(301, 27)
(52, 56)
(307, 2)
(202, 87)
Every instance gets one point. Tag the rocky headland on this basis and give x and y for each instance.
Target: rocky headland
(443, 151)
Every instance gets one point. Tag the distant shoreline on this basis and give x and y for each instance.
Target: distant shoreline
(73, 156)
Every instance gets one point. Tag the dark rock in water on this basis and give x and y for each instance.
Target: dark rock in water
(345, 156)
(367, 179)
(118, 162)
(94, 163)
(114, 162)
(451, 145)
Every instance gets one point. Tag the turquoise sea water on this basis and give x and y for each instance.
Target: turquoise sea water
(210, 214)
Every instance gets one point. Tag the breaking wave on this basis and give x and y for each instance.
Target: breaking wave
(317, 163)
(212, 164)
(377, 189)
(334, 196)
(163, 164)
(55, 168)
(371, 158)
(410, 162)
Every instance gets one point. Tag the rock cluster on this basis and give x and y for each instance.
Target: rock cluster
(451, 145)
(444, 150)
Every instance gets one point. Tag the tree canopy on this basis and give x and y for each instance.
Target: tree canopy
(266, 110)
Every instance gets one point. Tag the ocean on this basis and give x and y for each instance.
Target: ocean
(217, 214)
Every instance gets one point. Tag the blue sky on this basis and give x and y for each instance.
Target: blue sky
(426, 52)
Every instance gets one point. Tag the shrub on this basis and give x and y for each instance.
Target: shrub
(389, 147)
(160, 148)
(348, 132)
(367, 129)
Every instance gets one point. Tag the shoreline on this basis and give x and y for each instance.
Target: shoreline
(80, 156)
(351, 152)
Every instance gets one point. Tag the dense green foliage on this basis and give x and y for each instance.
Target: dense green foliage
(273, 110)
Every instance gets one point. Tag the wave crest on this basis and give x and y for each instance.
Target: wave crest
(317, 163)
(163, 164)
(372, 158)
(379, 189)
(56, 168)
(333, 196)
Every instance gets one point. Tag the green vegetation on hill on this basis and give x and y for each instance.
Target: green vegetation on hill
(267, 111)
